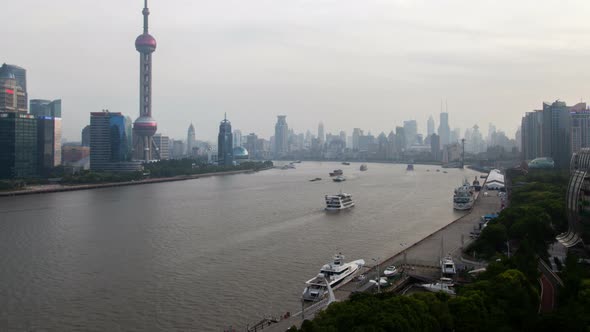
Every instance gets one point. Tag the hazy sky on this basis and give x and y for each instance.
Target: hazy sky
(349, 63)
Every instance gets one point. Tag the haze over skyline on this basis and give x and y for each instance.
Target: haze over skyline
(370, 64)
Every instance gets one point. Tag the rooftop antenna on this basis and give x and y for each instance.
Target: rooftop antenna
(146, 13)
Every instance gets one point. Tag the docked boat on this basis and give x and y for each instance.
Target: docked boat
(345, 163)
(444, 285)
(339, 178)
(391, 271)
(333, 273)
(336, 172)
(410, 167)
(339, 202)
(463, 197)
(363, 167)
(447, 266)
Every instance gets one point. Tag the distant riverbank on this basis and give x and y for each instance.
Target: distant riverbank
(54, 188)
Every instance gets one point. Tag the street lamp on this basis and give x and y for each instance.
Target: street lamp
(378, 274)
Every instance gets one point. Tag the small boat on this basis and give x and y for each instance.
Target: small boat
(447, 266)
(296, 162)
(346, 163)
(339, 178)
(445, 172)
(438, 170)
(383, 282)
(391, 271)
(410, 167)
(336, 172)
(363, 167)
(339, 202)
(444, 285)
(316, 179)
(334, 273)
(289, 166)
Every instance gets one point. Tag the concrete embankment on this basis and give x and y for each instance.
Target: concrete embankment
(62, 188)
(425, 252)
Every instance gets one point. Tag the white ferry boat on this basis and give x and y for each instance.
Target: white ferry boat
(334, 273)
(463, 197)
(339, 202)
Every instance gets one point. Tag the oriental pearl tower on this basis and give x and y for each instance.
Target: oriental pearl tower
(145, 126)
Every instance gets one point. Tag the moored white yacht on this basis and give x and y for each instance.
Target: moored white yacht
(339, 202)
(444, 285)
(334, 273)
(447, 266)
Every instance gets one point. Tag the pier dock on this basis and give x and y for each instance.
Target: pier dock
(421, 260)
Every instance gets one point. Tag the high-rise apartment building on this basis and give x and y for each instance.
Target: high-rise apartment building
(251, 145)
(430, 126)
(18, 145)
(557, 133)
(532, 135)
(580, 129)
(13, 97)
(444, 130)
(42, 107)
(281, 137)
(225, 144)
(109, 143)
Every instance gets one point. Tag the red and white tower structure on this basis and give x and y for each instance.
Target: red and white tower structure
(145, 127)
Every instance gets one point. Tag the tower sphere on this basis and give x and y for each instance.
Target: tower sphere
(145, 126)
(145, 43)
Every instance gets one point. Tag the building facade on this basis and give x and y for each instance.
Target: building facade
(13, 97)
(163, 146)
(18, 145)
(48, 143)
(109, 143)
(444, 130)
(46, 108)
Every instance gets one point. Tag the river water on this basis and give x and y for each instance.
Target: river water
(204, 254)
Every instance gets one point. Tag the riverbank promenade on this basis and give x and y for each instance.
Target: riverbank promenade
(423, 255)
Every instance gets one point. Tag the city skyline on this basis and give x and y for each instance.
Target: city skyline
(479, 86)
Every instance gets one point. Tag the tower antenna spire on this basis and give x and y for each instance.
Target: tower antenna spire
(146, 13)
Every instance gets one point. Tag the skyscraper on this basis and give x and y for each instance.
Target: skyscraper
(281, 137)
(42, 107)
(356, 134)
(190, 140)
(163, 145)
(48, 143)
(86, 136)
(444, 130)
(145, 126)
(237, 138)
(13, 97)
(18, 145)
(557, 133)
(321, 134)
(225, 144)
(430, 125)
(532, 135)
(435, 147)
(109, 143)
(411, 131)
